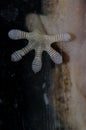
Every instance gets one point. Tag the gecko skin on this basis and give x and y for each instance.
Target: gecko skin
(38, 40)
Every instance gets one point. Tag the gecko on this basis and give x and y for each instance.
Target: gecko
(39, 39)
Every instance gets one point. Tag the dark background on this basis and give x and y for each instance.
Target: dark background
(22, 105)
